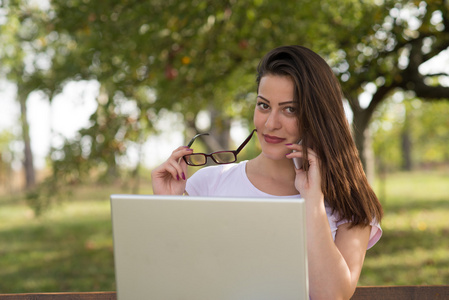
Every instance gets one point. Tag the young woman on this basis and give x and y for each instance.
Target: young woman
(298, 99)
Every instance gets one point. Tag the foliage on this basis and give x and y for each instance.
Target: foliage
(431, 138)
(383, 54)
(193, 55)
(428, 130)
(201, 56)
(157, 55)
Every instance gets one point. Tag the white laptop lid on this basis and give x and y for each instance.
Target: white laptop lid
(198, 248)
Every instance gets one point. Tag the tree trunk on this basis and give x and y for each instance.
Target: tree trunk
(370, 168)
(360, 125)
(406, 151)
(219, 132)
(406, 143)
(221, 129)
(30, 175)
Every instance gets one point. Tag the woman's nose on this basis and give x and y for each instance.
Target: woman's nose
(272, 121)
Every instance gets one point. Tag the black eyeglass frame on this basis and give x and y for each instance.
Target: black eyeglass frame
(234, 152)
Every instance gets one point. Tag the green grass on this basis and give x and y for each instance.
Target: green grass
(415, 243)
(70, 247)
(58, 254)
(67, 249)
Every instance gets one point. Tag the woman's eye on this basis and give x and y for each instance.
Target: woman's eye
(290, 109)
(263, 105)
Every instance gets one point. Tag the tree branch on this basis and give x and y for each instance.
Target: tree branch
(414, 80)
(424, 91)
(436, 74)
(379, 96)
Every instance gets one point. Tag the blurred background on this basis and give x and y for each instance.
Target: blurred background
(94, 94)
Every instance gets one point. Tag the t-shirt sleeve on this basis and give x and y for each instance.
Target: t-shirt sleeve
(376, 230)
(376, 233)
(374, 237)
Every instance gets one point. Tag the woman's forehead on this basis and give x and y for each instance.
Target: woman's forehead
(276, 88)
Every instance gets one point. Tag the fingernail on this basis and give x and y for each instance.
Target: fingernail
(183, 176)
(288, 144)
(177, 177)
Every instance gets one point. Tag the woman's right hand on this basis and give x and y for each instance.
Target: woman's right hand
(170, 177)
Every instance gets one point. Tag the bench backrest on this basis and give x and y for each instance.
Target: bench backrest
(418, 292)
(414, 292)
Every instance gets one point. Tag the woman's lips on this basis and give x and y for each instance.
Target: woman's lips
(273, 139)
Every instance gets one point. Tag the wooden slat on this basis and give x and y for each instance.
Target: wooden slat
(61, 296)
(437, 292)
(416, 292)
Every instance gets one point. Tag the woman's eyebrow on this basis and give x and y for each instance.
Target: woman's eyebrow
(280, 104)
(263, 98)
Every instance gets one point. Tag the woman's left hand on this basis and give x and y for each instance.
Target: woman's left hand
(308, 185)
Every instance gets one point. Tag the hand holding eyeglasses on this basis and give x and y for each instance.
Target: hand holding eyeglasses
(170, 177)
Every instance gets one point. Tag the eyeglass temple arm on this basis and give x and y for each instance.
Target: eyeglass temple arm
(245, 142)
(193, 139)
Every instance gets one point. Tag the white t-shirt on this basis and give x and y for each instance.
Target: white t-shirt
(231, 181)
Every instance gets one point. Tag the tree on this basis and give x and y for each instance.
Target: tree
(193, 57)
(18, 34)
(384, 53)
(172, 55)
(431, 136)
(28, 48)
(427, 130)
(196, 57)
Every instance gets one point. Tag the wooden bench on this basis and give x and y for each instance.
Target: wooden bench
(414, 292)
(431, 292)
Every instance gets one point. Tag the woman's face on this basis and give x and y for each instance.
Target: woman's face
(275, 116)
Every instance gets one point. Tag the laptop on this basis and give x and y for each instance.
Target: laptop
(201, 248)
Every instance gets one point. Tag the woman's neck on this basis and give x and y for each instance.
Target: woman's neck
(275, 177)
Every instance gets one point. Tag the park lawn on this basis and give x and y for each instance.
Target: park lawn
(414, 247)
(70, 247)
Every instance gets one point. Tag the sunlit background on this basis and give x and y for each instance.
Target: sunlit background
(110, 88)
(71, 109)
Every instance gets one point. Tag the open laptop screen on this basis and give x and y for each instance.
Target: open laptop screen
(181, 247)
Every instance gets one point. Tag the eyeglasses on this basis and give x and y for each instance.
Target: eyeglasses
(219, 157)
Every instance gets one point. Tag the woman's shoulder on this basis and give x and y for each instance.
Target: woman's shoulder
(335, 221)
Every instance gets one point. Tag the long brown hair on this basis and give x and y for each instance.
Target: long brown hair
(325, 129)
